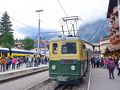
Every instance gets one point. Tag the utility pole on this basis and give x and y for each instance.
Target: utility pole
(39, 30)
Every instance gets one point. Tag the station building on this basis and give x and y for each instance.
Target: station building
(43, 47)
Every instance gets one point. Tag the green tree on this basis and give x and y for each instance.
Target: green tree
(28, 43)
(7, 40)
(6, 32)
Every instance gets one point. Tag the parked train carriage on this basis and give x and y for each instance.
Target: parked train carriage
(15, 52)
(68, 59)
(4, 51)
(22, 53)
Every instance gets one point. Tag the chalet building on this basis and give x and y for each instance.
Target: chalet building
(104, 43)
(18, 44)
(93, 49)
(113, 17)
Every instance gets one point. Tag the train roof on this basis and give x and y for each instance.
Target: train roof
(64, 38)
(16, 50)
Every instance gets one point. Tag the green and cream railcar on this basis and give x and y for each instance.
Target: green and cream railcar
(68, 58)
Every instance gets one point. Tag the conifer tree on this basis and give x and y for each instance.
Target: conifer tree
(6, 32)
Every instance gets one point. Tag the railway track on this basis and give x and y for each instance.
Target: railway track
(39, 85)
(64, 87)
(49, 84)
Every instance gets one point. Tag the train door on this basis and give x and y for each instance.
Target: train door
(82, 60)
(4, 54)
(0, 54)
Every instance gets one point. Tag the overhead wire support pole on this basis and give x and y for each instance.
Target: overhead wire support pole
(39, 30)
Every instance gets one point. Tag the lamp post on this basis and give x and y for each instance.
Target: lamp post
(39, 30)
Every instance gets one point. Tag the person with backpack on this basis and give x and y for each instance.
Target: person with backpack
(97, 61)
(111, 67)
(8, 62)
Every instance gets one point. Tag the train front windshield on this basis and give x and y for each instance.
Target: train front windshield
(69, 48)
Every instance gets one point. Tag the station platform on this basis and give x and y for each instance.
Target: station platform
(99, 80)
(12, 73)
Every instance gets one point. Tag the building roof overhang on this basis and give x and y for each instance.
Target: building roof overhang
(112, 4)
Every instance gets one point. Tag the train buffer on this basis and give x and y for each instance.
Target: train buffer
(99, 80)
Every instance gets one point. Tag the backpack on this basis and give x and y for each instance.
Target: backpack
(8, 61)
(111, 65)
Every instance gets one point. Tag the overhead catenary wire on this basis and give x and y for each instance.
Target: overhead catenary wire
(29, 27)
(62, 8)
(41, 32)
(65, 14)
(21, 23)
(56, 32)
(32, 29)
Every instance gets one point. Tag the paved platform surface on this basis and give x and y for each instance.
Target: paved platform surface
(22, 67)
(100, 80)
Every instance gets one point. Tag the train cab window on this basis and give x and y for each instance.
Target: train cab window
(55, 48)
(69, 48)
(83, 46)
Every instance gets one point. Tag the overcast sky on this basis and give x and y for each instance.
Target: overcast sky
(23, 11)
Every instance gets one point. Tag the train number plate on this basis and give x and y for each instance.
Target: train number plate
(62, 78)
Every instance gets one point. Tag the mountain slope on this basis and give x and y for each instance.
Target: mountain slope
(92, 32)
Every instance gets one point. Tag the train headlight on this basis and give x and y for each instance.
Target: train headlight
(53, 67)
(73, 67)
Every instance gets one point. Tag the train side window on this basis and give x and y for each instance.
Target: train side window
(83, 46)
(47, 47)
(55, 48)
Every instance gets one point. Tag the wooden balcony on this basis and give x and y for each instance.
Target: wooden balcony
(112, 16)
(117, 37)
(116, 25)
(111, 20)
(115, 11)
(113, 30)
(113, 41)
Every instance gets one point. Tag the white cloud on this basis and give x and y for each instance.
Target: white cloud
(18, 35)
(24, 11)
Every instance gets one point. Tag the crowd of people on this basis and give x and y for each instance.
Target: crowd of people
(7, 63)
(107, 62)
